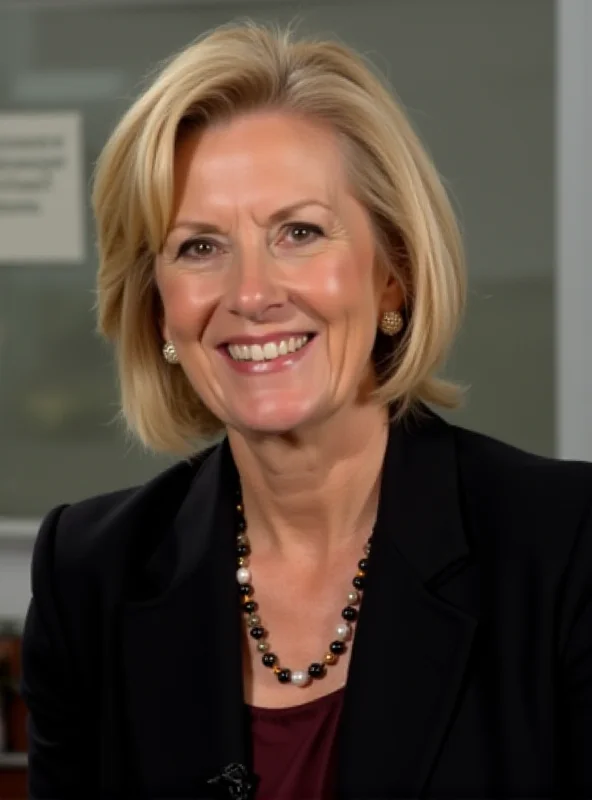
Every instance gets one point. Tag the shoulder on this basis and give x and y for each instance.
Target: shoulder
(522, 498)
(506, 467)
(529, 519)
(110, 529)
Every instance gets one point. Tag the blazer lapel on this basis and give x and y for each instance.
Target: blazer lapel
(181, 648)
(411, 648)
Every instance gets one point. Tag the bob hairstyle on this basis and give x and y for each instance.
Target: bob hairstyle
(240, 69)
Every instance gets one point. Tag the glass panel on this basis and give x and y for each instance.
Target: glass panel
(476, 76)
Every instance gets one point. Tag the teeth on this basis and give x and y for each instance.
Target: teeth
(267, 352)
(270, 351)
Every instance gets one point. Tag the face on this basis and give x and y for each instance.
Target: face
(268, 280)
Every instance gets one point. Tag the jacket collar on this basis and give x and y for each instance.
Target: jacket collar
(419, 510)
(182, 647)
(419, 513)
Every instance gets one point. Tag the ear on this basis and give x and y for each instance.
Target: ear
(391, 295)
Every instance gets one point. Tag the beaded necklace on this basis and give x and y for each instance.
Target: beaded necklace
(343, 631)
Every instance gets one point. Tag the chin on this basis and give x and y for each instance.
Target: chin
(274, 420)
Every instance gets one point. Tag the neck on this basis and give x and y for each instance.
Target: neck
(315, 490)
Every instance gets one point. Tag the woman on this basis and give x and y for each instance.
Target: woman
(346, 596)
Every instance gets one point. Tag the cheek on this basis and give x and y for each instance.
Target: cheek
(187, 303)
(341, 285)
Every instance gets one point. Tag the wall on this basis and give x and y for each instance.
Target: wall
(574, 220)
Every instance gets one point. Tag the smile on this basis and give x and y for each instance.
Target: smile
(268, 351)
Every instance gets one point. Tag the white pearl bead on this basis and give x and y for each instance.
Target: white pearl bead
(352, 598)
(300, 678)
(243, 575)
(343, 631)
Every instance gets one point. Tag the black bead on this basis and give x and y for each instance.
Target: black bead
(284, 676)
(243, 550)
(257, 632)
(245, 589)
(349, 613)
(317, 670)
(241, 525)
(359, 582)
(337, 648)
(269, 659)
(363, 564)
(250, 607)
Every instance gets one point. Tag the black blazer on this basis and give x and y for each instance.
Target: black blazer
(471, 670)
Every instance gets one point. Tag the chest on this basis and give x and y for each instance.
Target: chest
(436, 702)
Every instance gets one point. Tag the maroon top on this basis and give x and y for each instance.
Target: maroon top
(294, 749)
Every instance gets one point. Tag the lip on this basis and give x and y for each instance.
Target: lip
(268, 337)
(266, 367)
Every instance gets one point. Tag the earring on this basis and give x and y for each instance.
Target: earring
(170, 353)
(391, 323)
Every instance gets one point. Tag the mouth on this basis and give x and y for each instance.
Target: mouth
(268, 351)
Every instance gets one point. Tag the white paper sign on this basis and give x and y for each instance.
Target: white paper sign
(41, 188)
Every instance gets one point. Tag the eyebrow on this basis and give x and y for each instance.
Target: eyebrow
(278, 216)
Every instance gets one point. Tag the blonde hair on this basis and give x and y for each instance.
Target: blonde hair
(234, 70)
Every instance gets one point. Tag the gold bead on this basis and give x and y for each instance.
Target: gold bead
(391, 323)
(170, 353)
(276, 669)
(360, 574)
(242, 561)
(330, 658)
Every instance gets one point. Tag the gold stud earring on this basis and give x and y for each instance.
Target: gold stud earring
(391, 323)
(170, 353)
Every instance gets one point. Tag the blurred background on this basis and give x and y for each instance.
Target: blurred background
(499, 90)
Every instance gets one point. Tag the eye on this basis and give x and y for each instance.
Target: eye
(301, 233)
(198, 249)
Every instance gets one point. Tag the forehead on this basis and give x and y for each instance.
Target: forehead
(259, 157)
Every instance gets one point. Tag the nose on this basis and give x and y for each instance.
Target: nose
(254, 288)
